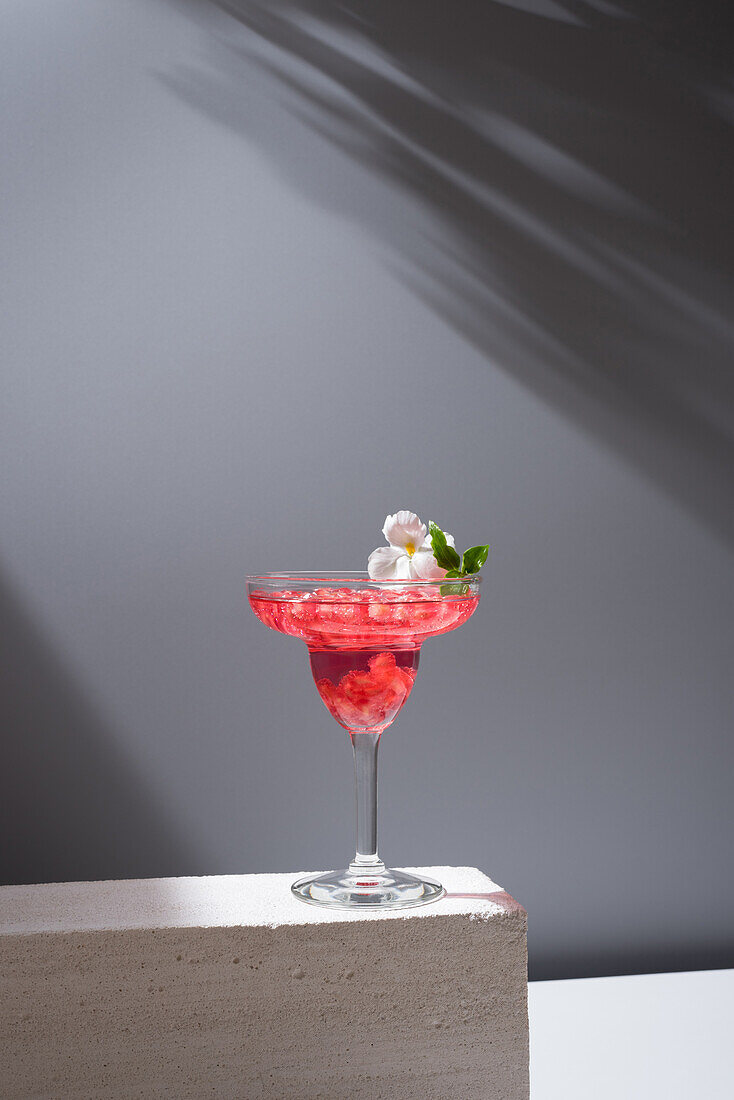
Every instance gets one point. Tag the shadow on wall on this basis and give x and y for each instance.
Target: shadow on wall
(552, 177)
(71, 809)
(631, 958)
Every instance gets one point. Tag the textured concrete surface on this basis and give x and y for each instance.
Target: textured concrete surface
(227, 987)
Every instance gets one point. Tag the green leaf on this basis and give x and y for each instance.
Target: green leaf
(445, 555)
(474, 558)
(454, 573)
(454, 588)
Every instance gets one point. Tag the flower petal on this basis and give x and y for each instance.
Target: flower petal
(428, 545)
(424, 565)
(404, 529)
(403, 568)
(388, 563)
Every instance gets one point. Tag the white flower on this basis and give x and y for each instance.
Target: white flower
(425, 565)
(409, 555)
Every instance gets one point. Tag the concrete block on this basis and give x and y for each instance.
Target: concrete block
(228, 987)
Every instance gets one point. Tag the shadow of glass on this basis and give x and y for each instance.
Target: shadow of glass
(552, 178)
(72, 807)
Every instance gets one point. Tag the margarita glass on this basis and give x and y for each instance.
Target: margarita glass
(364, 639)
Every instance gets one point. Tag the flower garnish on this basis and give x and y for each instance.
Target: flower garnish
(413, 553)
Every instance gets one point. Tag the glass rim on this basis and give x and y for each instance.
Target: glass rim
(341, 578)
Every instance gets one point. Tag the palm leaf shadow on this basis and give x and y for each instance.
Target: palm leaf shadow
(557, 189)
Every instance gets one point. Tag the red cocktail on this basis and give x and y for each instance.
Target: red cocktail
(364, 639)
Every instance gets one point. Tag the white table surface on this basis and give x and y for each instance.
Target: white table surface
(652, 1036)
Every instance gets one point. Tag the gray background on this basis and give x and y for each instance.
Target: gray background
(270, 274)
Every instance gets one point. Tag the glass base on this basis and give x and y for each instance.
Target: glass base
(386, 890)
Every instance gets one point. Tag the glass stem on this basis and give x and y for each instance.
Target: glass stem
(366, 861)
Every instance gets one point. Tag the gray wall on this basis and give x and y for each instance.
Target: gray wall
(271, 274)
